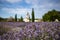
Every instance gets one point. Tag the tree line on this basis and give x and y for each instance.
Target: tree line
(49, 16)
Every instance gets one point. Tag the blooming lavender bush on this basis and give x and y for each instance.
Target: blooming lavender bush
(35, 31)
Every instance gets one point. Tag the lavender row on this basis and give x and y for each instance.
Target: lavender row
(35, 31)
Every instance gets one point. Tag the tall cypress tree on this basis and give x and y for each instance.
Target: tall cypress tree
(21, 19)
(15, 17)
(33, 17)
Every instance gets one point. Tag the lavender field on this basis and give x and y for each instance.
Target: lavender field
(30, 31)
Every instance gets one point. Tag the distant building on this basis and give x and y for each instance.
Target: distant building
(10, 19)
(38, 20)
(27, 18)
(56, 20)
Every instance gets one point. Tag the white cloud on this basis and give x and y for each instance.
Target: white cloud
(28, 1)
(17, 10)
(13, 1)
(33, 2)
(39, 7)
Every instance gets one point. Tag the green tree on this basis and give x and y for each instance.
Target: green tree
(33, 17)
(51, 15)
(15, 17)
(1, 19)
(59, 15)
(21, 19)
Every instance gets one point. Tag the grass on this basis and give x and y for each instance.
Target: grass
(4, 30)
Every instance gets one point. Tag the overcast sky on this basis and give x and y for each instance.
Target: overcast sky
(21, 7)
